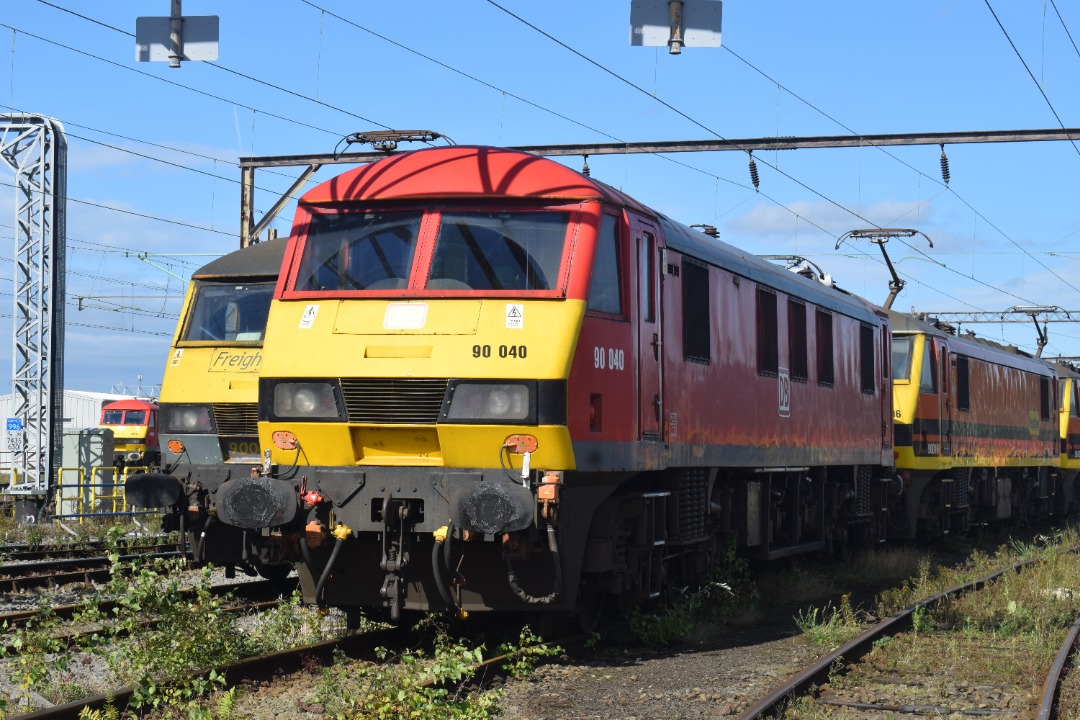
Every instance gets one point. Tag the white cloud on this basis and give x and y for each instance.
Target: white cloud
(781, 224)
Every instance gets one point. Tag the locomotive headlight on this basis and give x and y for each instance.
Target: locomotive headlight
(500, 403)
(496, 402)
(186, 418)
(303, 400)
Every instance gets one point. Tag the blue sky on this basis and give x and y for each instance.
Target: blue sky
(296, 76)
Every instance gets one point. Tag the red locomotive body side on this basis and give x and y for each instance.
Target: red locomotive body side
(725, 409)
(768, 417)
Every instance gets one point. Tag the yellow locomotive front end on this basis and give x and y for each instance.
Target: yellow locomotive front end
(426, 383)
(208, 416)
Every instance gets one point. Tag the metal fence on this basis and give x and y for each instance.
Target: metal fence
(95, 492)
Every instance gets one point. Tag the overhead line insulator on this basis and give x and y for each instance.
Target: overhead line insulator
(944, 166)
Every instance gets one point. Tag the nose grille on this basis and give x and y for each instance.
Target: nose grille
(236, 418)
(393, 401)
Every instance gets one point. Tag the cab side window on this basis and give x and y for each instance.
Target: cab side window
(928, 381)
(605, 294)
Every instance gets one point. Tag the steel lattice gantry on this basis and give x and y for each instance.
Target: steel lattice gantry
(35, 148)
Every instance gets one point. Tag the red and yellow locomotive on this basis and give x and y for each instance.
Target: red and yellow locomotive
(134, 424)
(484, 358)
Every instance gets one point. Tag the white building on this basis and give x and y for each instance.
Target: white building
(82, 408)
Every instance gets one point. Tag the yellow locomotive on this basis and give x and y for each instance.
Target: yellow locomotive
(208, 408)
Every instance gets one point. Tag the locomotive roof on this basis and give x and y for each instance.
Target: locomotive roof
(486, 172)
(970, 345)
(130, 404)
(463, 171)
(261, 260)
(1064, 369)
(738, 261)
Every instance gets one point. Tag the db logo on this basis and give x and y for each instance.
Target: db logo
(783, 386)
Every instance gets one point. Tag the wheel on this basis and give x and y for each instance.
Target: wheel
(590, 605)
(278, 575)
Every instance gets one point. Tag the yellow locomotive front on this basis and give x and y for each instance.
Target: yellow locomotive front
(413, 387)
(209, 398)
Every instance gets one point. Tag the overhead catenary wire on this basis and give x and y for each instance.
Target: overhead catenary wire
(1023, 62)
(334, 133)
(945, 184)
(552, 112)
(712, 175)
(1065, 27)
(430, 59)
(221, 67)
(721, 137)
(146, 216)
(128, 151)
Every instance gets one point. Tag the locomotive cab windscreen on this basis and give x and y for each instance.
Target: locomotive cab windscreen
(227, 312)
(485, 251)
(208, 400)
(123, 417)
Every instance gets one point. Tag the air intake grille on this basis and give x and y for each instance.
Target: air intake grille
(237, 418)
(393, 401)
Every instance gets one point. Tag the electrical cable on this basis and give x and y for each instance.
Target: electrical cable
(771, 165)
(146, 216)
(563, 117)
(356, 25)
(334, 133)
(1030, 74)
(1065, 27)
(228, 70)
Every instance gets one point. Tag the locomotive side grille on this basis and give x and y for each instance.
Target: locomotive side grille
(863, 485)
(393, 401)
(236, 418)
(960, 488)
(692, 501)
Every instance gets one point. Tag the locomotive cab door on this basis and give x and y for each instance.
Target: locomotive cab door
(946, 395)
(647, 251)
(934, 401)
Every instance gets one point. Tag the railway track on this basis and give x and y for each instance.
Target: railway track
(865, 687)
(360, 647)
(54, 573)
(295, 665)
(12, 555)
(256, 593)
(967, 672)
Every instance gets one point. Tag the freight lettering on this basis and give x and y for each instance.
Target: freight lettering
(236, 361)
